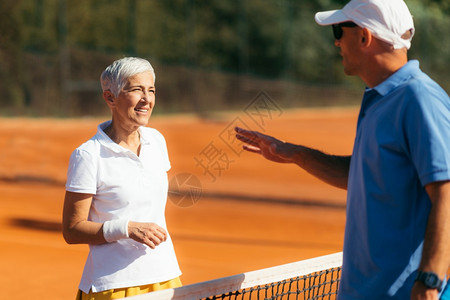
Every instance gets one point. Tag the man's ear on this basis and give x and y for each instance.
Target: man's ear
(366, 37)
(109, 98)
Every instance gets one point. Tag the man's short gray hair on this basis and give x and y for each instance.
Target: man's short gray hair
(115, 75)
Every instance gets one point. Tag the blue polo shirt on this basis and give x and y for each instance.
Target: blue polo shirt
(402, 144)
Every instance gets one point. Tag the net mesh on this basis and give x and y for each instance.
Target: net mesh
(317, 285)
(316, 278)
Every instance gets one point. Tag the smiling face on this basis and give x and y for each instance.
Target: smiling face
(134, 104)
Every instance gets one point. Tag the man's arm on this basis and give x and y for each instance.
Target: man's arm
(436, 246)
(331, 169)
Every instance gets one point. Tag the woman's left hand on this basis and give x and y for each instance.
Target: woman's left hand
(149, 234)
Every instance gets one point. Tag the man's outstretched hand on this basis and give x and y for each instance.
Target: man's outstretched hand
(269, 147)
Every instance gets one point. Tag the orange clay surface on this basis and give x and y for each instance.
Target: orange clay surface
(252, 214)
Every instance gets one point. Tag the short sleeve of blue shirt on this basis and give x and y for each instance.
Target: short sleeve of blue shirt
(427, 129)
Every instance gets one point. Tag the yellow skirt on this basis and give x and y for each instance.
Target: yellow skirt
(131, 291)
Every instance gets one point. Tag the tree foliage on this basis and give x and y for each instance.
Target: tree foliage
(53, 50)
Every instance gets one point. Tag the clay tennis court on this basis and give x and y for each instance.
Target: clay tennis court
(252, 213)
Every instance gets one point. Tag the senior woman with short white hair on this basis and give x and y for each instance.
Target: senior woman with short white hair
(116, 193)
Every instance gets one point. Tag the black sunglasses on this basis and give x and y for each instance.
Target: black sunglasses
(337, 29)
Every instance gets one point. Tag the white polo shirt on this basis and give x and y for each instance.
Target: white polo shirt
(124, 186)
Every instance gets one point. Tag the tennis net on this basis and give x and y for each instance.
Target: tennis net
(316, 278)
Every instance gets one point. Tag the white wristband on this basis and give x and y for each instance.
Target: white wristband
(115, 230)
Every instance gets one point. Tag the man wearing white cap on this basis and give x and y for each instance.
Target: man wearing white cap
(397, 236)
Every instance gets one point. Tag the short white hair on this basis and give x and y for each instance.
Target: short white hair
(115, 75)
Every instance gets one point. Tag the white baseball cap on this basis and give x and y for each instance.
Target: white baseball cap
(388, 20)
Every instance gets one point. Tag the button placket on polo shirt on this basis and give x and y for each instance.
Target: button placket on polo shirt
(138, 168)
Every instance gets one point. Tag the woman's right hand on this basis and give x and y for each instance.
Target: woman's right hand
(149, 234)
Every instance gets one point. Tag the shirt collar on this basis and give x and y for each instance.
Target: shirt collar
(403, 74)
(144, 138)
(106, 141)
